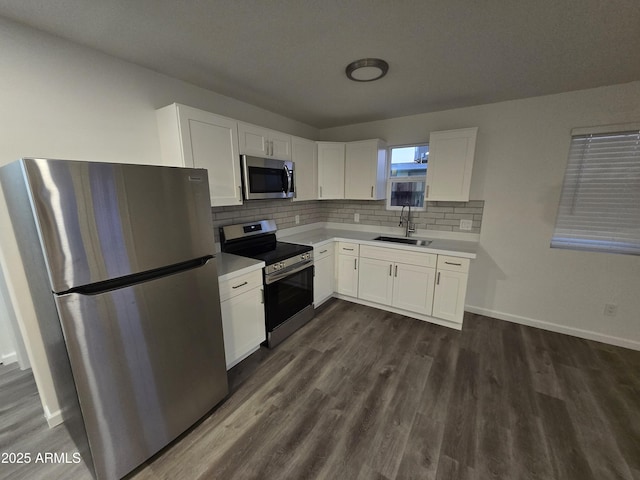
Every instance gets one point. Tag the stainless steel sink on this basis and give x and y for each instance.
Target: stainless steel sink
(405, 240)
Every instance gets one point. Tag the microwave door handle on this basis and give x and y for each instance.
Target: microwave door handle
(287, 173)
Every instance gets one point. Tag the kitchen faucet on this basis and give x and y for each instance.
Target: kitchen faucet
(410, 227)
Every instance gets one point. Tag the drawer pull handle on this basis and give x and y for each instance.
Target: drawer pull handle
(349, 249)
(323, 251)
(456, 264)
(241, 285)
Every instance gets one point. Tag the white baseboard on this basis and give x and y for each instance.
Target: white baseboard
(9, 358)
(554, 327)
(53, 418)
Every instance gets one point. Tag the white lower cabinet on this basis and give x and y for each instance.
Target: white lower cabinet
(451, 288)
(376, 280)
(347, 269)
(242, 306)
(324, 268)
(413, 288)
(408, 286)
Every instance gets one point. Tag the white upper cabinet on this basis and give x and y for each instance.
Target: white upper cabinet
(194, 138)
(365, 170)
(331, 170)
(262, 142)
(450, 164)
(305, 176)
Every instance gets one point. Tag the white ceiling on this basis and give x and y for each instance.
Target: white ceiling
(289, 56)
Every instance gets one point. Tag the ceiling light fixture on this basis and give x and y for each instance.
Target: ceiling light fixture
(367, 69)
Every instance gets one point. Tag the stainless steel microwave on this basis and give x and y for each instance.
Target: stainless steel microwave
(266, 178)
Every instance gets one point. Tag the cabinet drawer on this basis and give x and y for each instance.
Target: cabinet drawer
(322, 252)
(240, 284)
(453, 264)
(348, 248)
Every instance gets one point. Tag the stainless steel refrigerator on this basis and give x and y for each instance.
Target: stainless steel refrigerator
(121, 269)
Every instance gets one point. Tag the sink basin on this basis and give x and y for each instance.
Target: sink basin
(405, 240)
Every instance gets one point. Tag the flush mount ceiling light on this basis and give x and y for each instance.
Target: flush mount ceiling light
(367, 69)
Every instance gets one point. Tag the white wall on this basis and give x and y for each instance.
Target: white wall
(520, 160)
(60, 100)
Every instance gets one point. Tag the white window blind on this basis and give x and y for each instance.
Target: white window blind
(600, 202)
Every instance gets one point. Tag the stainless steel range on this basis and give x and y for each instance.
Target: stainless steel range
(288, 275)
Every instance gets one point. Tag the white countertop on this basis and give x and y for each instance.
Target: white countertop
(442, 246)
(232, 266)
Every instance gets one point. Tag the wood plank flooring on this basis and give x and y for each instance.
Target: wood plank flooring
(364, 394)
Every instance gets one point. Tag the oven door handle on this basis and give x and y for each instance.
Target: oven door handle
(274, 277)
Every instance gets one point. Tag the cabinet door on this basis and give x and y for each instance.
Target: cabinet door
(280, 145)
(262, 142)
(253, 140)
(449, 295)
(347, 275)
(323, 280)
(413, 288)
(330, 170)
(210, 141)
(375, 280)
(365, 170)
(243, 325)
(451, 155)
(194, 138)
(305, 158)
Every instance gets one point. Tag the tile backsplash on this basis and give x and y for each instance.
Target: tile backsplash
(438, 215)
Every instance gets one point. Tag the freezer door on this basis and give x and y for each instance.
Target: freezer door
(148, 361)
(99, 221)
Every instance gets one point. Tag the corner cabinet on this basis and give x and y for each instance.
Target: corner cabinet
(352, 170)
(242, 307)
(194, 138)
(305, 176)
(365, 170)
(451, 155)
(262, 142)
(330, 170)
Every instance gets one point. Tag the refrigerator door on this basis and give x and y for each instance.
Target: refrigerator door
(148, 361)
(99, 221)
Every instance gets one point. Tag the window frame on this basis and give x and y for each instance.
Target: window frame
(584, 230)
(405, 179)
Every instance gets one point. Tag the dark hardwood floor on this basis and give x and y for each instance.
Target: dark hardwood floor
(364, 394)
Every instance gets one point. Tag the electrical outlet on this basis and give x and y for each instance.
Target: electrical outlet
(297, 219)
(610, 309)
(466, 224)
(356, 217)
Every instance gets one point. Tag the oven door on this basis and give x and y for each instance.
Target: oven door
(287, 293)
(266, 178)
